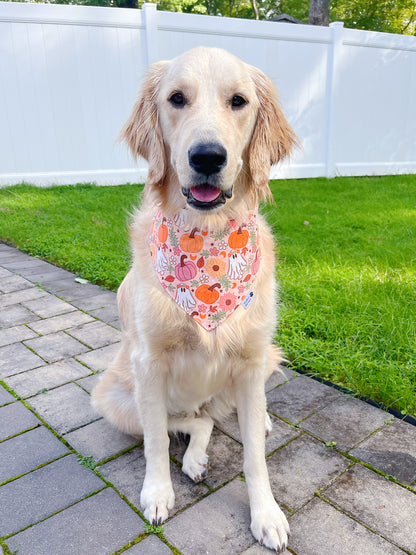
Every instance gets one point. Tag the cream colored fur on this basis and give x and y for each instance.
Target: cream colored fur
(170, 374)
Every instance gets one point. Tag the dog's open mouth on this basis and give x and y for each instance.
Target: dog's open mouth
(206, 197)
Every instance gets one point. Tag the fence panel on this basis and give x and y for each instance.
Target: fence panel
(376, 104)
(69, 76)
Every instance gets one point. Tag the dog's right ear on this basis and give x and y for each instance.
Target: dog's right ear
(142, 131)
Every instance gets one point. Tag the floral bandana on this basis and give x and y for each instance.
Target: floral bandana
(209, 274)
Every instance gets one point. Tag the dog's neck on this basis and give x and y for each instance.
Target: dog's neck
(208, 272)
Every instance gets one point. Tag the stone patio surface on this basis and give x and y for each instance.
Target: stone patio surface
(343, 471)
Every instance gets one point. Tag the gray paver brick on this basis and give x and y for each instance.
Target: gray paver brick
(391, 450)
(40, 266)
(3, 272)
(205, 532)
(48, 306)
(299, 398)
(281, 376)
(107, 314)
(96, 334)
(15, 315)
(15, 418)
(42, 492)
(59, 323)
(280, 434)
(46, 377)
(102, 300)
(345, 421)
(10, 258)
(5, 249)
(19, 265)
(89, 382)
(151, 545)
(5, 396)
(12, 254)
(56, 346)
(320, 528)
(99, 525)
(27, 451)
(10, 299)
(99, 359)
(383, 506)
(127, 473)
(301, 468)
(225, 457)
(15, 334)
(115, 323)
(44, 277)
(17, 358)
(6, 259)
(14, 283)
(100, 440)
(64, 408)
(69, 290)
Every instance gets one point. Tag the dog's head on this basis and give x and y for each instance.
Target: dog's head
(210, 126)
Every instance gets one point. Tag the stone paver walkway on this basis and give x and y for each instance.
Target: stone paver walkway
(343, 471)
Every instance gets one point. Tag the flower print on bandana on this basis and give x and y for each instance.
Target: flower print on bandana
(227, 302)
(215, 267)
(208, 274)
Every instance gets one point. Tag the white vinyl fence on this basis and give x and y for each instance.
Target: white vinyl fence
(69, 76)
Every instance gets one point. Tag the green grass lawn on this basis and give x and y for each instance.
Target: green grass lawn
(347, 267)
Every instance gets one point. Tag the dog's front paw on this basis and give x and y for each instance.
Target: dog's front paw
(156, 501)
(270, 527)
(195, 464)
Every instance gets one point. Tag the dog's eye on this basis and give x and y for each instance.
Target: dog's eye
(237, 101)
(177, 99)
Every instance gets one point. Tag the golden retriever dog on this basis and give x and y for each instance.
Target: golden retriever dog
(198, 306)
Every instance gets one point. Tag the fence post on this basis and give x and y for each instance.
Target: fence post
(150, 27)
(333, 69)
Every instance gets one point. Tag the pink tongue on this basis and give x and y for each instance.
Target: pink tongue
(205, 193)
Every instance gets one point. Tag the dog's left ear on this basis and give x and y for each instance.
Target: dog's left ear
(272, 139)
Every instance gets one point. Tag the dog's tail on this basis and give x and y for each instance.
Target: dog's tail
(275, 357)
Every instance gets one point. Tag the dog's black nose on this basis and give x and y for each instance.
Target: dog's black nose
(207, 158)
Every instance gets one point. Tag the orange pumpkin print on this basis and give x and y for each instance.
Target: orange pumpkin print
(208, 294)
(190, 242)
(163, 231)
(238, 239)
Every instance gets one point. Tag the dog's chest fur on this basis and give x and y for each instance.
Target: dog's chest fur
(193, 381)
(200, 365)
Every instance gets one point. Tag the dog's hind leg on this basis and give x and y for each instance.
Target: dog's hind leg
(195, 460)
(113, 396)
